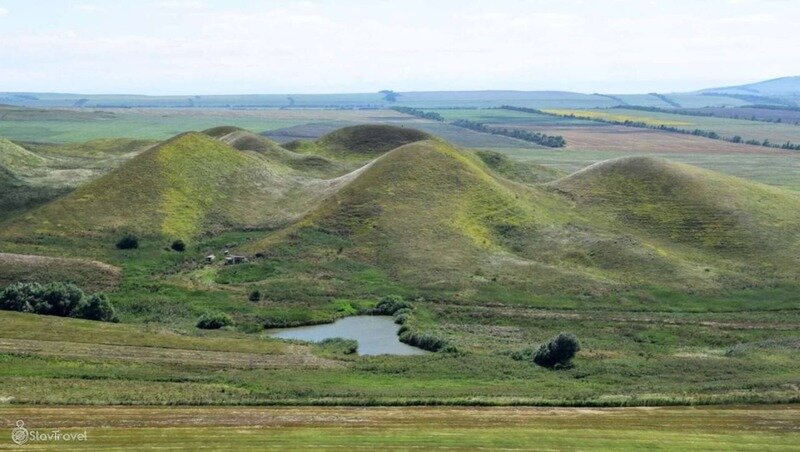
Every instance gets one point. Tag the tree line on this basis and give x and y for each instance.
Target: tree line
(551, 141)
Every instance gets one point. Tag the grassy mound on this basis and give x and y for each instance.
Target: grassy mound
(244, 140)
(183, 187)
(689, 205)
(360, 142)
(90, 275)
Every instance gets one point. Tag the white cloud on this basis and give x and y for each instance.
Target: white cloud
(3, 12)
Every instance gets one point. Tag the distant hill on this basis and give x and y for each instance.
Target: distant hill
(776, 87)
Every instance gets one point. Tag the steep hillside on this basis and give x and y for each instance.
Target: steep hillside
(18, 160)
(689, 205)
(180, 188)
(434, 218)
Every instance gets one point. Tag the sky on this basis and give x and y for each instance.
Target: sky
(329, 46)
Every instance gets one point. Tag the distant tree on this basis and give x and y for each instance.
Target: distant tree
(128, 242)
(255, 296)
(389, 95)
(736, 139)
(558, 351)
(178, 246)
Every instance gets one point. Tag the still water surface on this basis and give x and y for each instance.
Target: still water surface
(376, 334)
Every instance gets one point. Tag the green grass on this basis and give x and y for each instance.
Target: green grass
(741, 428)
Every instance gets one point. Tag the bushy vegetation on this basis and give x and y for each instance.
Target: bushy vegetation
(178, 246)
(424, 341)
(389, 305)
(254, 296)
(338, 345)
(214, 320)
(128, 242)
(59, 299)
(558, 351)
(432, 115)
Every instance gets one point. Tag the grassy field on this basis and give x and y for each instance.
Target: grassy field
(777, 133)
(109, 428)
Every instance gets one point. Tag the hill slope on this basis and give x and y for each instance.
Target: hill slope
(180, 188)
(244, 140)
(435, 218)
(359, 143)
(775, 87)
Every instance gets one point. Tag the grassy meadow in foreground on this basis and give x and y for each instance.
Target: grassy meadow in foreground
(763, 428)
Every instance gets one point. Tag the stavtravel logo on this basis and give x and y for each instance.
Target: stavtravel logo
(21, 435)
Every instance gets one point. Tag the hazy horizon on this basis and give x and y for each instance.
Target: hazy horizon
(181, 47)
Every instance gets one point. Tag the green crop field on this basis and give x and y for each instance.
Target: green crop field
(777, 133)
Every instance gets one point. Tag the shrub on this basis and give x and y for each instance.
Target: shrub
(423, 341)
(59, 299)
(254, 296)
(20, 297)
(401, 318)
(390, 304)
(128, 242)
(558, 352)
(338, 345)
(214, 320)
(178, 246)
(98, 307)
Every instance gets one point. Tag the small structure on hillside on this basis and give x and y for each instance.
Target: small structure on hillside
(211, 258)
(231, 260)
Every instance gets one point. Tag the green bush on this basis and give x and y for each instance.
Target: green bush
(338, 345)
(98, 307)
(178, 246)
(254, 296)
(20, 297)
(424, 341)
(214, 320)
(558, 351)
(59, 299)
(128, 242)
(389, 305)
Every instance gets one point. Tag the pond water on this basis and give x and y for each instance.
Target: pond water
(376, 334)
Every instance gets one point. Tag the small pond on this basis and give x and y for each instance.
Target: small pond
(376, 334)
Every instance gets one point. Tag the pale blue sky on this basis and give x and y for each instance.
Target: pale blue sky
(208, 47)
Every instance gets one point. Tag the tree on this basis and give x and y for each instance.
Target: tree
(98, 308)
(558, 351)
(59, 299)
(20, 297)
(255, 296)
(178, 246)
(128, 242)
(389, 95)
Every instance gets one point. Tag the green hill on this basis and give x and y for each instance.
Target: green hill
(359, 143)
(312, 165)
(18, 160)
(180, 188)
(433, 218)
